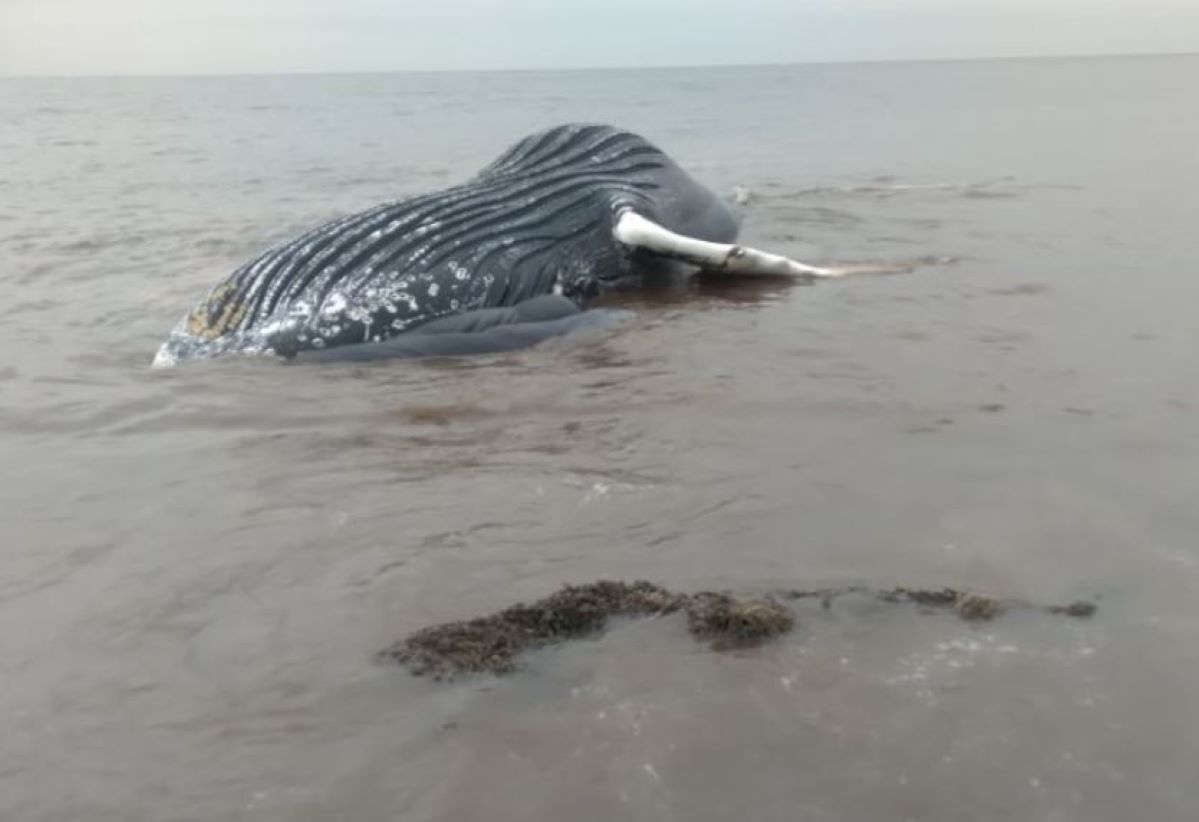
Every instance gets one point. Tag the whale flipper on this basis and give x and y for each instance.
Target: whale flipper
(636, 231)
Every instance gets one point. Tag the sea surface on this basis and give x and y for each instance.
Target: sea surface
(198, 565)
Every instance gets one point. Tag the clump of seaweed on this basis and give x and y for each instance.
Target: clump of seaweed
(730, 622)
(491, 644)
(974, 607)
(1078, 610)
(971, 606)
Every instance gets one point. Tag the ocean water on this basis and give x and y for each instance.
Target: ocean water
(199, 564)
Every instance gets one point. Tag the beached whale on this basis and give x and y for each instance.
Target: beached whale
(507, 258)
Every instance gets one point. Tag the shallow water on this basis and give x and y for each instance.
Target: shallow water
(199, 564)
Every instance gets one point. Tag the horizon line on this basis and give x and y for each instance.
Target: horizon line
(567, 69)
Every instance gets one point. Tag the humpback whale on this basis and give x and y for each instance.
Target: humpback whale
(505, 259)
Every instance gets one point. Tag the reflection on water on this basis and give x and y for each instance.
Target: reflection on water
(200, 564)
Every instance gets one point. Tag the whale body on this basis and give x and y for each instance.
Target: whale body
(502, 260)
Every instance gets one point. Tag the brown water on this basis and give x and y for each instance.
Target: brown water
(199, 564)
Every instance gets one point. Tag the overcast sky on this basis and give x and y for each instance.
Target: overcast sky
(236, 36)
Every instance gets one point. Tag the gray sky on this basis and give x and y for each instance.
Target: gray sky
(236, 36)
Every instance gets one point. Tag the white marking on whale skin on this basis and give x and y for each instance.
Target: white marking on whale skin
(334, 304)
(433, 289)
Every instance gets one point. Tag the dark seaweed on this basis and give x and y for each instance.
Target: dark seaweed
(491, 644)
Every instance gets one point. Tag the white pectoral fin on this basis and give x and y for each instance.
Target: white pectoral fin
(638, 232)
